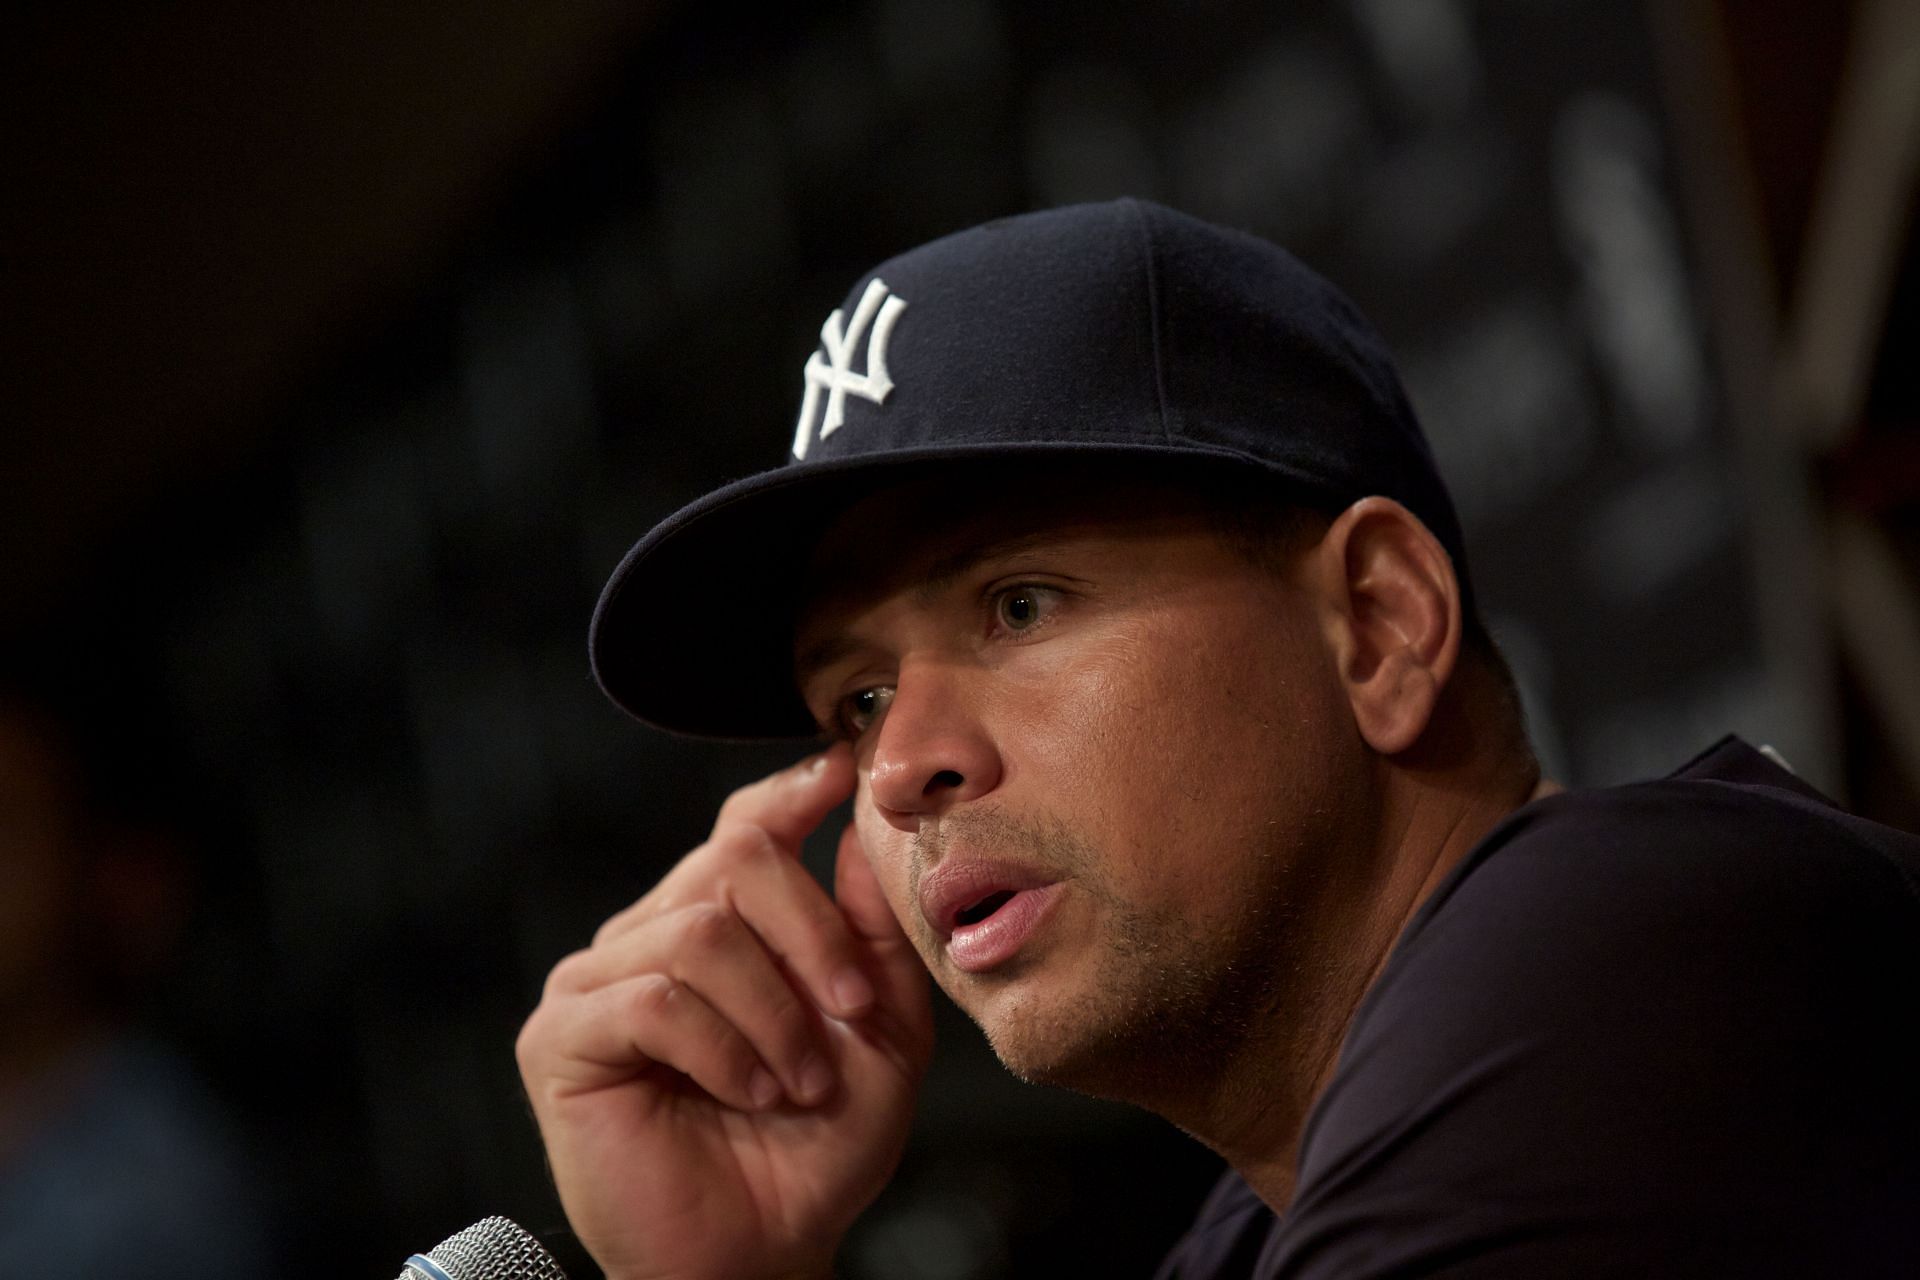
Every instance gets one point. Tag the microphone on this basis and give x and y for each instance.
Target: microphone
(491, 1249)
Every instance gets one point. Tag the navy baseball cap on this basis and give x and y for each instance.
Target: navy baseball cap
(1073, 336)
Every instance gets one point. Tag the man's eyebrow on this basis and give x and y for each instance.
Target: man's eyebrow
(939, 575)
(821, 653)
(943, 572)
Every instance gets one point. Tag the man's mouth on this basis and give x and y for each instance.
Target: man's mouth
(982, 909)
(984, 912)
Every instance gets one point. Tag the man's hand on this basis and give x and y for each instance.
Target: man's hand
(724, 1079)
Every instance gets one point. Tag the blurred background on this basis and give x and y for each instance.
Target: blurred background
(352, 348)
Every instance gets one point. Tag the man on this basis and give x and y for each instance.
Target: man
(1113, 562)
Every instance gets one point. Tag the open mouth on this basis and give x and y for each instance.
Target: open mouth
(970, 895)
(982, 909)
(997, 921)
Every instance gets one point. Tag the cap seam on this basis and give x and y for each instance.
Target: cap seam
(1150, 269)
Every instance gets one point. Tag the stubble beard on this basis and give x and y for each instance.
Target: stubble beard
(1165, 1010)
(1163, 1018)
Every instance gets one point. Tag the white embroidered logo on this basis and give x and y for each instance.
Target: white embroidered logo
(835, 372)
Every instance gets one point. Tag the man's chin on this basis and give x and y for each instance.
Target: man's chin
(1041, 1064)
(1025, 1028)
(1067, 1045)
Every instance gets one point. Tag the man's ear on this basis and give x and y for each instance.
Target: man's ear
(1394, 618)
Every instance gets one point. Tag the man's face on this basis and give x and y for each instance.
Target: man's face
(1107, 773)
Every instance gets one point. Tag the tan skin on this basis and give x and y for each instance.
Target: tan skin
(642, 1061)
(1238, 784)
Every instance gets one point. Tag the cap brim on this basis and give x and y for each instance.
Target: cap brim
(694, 631)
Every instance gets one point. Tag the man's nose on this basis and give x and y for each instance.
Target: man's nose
(933, 749)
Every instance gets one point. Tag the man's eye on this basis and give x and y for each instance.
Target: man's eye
(858, 710)
(1021, 608)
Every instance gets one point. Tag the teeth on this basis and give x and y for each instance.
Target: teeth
(985, 907)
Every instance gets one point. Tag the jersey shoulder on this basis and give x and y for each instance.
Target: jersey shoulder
(1700, 850)
(1635, 1021)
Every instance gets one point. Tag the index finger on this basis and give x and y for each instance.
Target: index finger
(790, 804)
(786, 806)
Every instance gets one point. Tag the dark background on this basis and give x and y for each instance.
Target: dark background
(351, 350)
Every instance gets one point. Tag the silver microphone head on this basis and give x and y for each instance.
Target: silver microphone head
(491, 1249)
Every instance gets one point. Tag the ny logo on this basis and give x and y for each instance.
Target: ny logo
(835, 372)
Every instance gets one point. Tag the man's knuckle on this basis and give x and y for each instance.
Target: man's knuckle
(724, 852)
(613, 925)
(526, 1045)
(708, 927)
(568, 975)
(653, 996)
(750, 844)
(742, 801)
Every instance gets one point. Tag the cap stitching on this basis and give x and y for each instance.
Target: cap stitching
(1150, 265)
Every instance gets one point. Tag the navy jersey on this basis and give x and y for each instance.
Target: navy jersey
(1665, 1029)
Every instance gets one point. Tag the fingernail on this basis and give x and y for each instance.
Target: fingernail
(852, 990)
(815, 765)
(763, 1088)
(816, 1079)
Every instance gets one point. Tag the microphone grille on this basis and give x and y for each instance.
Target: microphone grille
(491, 1249)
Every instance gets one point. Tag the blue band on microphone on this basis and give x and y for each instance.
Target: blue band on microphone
(427, 1266)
